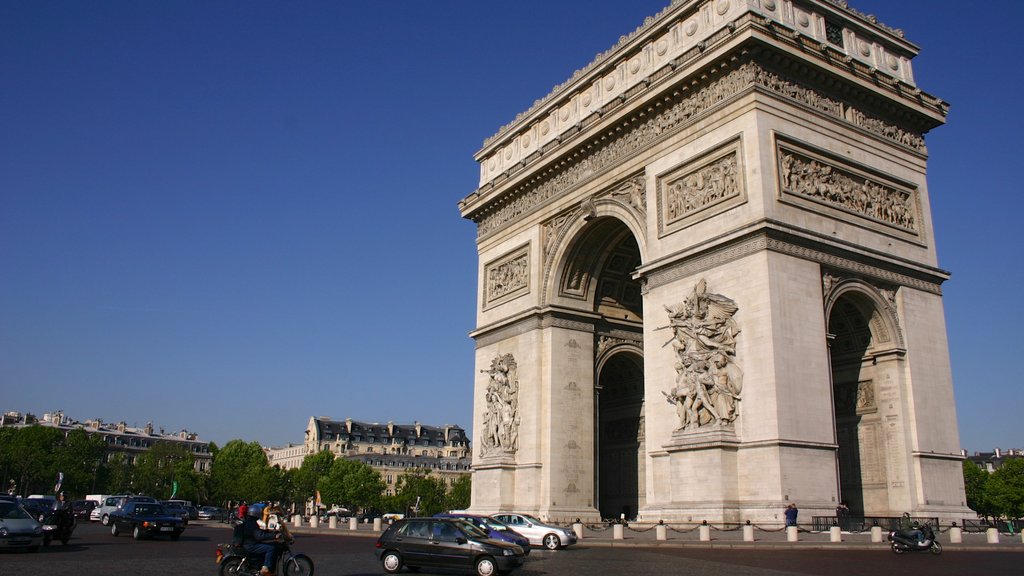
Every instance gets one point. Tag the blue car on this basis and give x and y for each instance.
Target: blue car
(496, 529)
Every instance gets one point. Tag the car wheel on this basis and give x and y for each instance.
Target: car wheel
(105, 520)
(551, 542)
(392, 562)
(137, 533)
(114, 531)
(485, 566)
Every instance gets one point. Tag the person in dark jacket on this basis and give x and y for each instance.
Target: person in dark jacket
(258, 540)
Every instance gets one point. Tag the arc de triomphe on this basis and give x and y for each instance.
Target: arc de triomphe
(708, 279)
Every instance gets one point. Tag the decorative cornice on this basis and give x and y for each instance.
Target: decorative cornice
(769, 239)
(686, 106)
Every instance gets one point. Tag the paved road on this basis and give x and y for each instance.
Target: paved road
(94, 552)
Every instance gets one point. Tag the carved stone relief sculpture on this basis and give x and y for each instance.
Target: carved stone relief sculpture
(501, 420)
(508, 277)
(828, 184)
(708, 381)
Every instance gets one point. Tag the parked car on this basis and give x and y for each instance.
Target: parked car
(37, 506)
(82, 508)
(445, 543)
(175, 509)
(193, 512)
(211, 513)
(496, 529)
(145, 519)
(18, 528)
(539, 533)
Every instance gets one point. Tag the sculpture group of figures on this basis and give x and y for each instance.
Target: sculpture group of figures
(501, 420)
(708, 381)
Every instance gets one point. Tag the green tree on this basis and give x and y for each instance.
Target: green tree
(314, 468)
(419, 484)
(241, 471)
(164, 464)
(118, 472)
(1005, 489)
(79, 456)
(31, 458)
(975, 480)
(459, 494)
(352, 484)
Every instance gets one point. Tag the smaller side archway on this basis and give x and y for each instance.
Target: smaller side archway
(619, 433)
(866, 353)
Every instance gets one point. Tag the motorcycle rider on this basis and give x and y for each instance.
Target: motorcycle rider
(259, 541)
(910, 528)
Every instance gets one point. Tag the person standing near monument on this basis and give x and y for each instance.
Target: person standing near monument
(791, 513)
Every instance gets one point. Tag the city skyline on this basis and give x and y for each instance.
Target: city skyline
(231, 217)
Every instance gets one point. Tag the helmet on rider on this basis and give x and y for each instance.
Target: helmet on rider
(255, 510)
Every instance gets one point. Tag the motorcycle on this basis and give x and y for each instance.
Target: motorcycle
(903, 542)
(235, 559)
(57, 525)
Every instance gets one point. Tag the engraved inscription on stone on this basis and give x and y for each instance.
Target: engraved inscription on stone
(508, 277)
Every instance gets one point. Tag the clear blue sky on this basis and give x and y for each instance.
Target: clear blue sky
(230, 216)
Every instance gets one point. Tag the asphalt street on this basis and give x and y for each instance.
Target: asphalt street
(94, 552)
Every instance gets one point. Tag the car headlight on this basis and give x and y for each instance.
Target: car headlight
(37, 530)
(3, 531)
(508, 552)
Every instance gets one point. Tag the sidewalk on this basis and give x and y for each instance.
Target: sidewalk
(689, 537)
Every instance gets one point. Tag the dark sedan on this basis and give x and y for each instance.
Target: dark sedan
(145, 519)
(82, 508)
(445, 543)
(495, 529)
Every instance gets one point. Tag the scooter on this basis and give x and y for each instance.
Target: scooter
(57, 525)
(903, 542)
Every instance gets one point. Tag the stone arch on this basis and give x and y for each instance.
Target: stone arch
(619, 442)
(866, 355)
(577, 238)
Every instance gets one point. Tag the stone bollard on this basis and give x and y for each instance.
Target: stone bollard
(705, 533)
(992, 535)
(353, 523)
(332, 522)
(661, 532)
(791, 534)
(748, 533)
(617, 532)
(297, 520)
(377, 524)
(835, 534)
(314, 521)
(956, 535)
(876, 534)
(577, 527)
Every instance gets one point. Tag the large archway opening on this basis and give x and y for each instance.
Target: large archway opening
(620, 439)
(860, 434)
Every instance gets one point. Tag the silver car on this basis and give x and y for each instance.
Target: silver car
(18, 529)
(539, 533)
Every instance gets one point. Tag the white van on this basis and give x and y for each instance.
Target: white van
(94, 515)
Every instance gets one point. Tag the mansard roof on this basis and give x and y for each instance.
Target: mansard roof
(448, 433)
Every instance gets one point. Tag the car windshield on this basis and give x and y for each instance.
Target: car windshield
(149, 510)
(470, 529)
(11, 511)
(494, 524)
